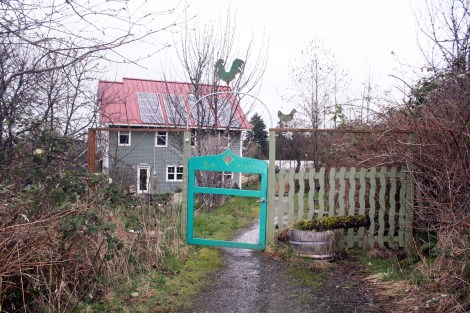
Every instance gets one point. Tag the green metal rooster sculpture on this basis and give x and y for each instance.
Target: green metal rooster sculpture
(227, 77)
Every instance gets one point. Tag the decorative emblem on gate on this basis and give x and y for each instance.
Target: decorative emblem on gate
(228, 159)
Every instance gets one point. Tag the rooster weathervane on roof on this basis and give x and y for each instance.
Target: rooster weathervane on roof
(227, 77)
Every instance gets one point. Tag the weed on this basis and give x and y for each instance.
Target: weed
(393, 269)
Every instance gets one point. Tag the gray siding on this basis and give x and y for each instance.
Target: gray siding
(125, 160)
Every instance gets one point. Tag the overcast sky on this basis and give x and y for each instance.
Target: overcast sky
(361, 34)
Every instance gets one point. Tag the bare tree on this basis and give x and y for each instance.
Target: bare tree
(437, 154)
(49, 53)
(68, 99)
(200, 48)
(212, 105)
(319, 90)
(320, 84)
(445, 26)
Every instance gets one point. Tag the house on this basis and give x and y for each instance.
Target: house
(144, 154)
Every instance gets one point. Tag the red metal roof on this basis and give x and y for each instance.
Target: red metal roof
(119, 104)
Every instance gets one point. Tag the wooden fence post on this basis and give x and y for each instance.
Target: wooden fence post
(184, 186)
(91, 150)
(271, 189)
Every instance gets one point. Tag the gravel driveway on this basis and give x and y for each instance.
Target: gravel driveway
(253, 281)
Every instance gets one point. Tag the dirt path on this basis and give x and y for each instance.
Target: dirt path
(253, 281)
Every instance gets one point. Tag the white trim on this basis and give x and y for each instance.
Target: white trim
(175, 173)
(151, 126)
(166, 139)
(226, 175)
(119, 139)
(143, 167)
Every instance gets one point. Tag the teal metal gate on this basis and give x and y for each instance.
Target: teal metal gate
(227, 162)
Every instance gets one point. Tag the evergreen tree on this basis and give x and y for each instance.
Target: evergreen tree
(256, 140)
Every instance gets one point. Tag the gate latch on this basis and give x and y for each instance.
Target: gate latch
(261, 200)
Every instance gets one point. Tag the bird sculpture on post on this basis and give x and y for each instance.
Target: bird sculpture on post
(286, 118)
(227, 77)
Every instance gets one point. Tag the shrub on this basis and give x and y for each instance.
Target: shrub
(63, 235)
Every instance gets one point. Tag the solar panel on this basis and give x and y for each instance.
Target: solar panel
(175, 109)
(227, 114)
(150, 110)
(192, 102)
(205, 116)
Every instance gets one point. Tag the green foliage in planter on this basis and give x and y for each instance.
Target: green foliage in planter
(333, 222)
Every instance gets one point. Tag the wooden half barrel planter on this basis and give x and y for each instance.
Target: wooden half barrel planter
(322, 238)
(322, 245)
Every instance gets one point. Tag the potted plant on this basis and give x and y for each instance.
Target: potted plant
(320, 238)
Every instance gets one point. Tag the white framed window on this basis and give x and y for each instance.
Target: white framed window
(174, 173)
(223, 176)
(228, 175)
(161, 139)
(143, 179)
(124, 138)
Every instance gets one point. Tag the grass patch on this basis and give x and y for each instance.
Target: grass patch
(223, 222)
(390, 268)
(304, 276)
(161, 290)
